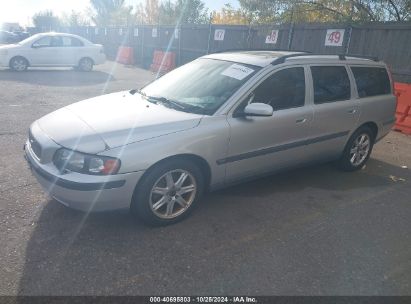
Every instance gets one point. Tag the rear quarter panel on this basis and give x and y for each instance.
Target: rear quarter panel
(381, 110)
(92, 52)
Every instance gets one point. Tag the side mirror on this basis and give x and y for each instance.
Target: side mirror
(258, 109)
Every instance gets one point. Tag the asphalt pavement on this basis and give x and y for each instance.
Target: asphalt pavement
(311, 231)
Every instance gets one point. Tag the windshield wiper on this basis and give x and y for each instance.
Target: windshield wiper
(166, 101)
(144, 95)
(175, 104)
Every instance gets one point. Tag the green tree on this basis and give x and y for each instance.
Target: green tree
(74, 18)
(151, 12)
(172, 12)
(266, 11)
(191, 12)
(110, 12)
(167, 13)
(229, 15)
(46, 21)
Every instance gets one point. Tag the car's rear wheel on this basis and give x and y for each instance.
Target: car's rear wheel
(168, 193)
(358, 150)
(86, 65)
(19, 64)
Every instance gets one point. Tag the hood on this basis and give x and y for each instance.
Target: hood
(8, 46)
(113, 120)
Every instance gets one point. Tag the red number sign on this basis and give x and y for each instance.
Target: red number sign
(334, 38)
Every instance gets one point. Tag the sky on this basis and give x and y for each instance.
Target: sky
(21, 11)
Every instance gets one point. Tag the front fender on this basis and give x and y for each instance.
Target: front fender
(209, 140)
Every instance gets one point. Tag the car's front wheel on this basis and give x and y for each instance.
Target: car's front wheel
(358, 150)
(168, 193)
(19, 64)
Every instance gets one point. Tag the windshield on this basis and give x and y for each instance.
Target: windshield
(203, 85)
(29, 39)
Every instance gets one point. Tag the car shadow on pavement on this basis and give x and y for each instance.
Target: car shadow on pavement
(54, 77)
(109, 253)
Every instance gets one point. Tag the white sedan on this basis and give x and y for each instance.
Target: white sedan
(52, 50)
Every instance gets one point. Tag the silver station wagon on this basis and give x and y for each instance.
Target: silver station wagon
(215, 121)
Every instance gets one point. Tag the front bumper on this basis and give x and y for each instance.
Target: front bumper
(3, 61)
(84, 192)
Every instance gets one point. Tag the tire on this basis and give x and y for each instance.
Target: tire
(157, 200)
(357, 150)
(19, 64)
(85, 65)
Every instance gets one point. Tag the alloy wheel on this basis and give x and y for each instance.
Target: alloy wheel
(86, 65)
(173, 193)
(19, 64)
(360, 149)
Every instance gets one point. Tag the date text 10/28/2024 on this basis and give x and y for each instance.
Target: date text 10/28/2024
(204, 299)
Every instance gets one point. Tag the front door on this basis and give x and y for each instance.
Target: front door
(44, 52)
(262, 144)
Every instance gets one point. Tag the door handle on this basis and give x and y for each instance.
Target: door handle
(301, 120)
(352, 111)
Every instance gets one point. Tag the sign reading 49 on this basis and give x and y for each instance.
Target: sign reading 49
(334, 37)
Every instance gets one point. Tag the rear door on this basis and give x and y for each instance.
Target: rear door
(71, 50)
(336, 110)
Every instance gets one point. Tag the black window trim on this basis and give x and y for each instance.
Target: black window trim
(350, 78)
(71, 38)
(363, 65)
(233, 111)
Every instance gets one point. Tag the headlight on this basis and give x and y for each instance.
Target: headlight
(68, 160)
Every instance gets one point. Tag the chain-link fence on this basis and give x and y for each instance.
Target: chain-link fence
(390, 42)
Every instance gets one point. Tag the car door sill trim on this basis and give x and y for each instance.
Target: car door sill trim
(280, 148)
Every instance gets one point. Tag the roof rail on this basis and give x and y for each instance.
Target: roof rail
(258, 50)
(373, 58)
(282, 59)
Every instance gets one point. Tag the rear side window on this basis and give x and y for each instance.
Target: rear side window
(71, 41)
(331, 83)
(371, 81)
(76, 42)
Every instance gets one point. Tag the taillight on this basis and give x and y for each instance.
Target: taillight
(391, 80)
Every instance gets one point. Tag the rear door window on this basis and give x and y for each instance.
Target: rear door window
(371, 81)
(331, 83)
(71, 42)
(56, 41)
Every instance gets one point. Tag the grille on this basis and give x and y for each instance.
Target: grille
(35, 146)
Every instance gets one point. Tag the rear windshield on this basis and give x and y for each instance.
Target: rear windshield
(371, 81)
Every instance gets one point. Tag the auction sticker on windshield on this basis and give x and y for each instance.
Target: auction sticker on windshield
(237, 71)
